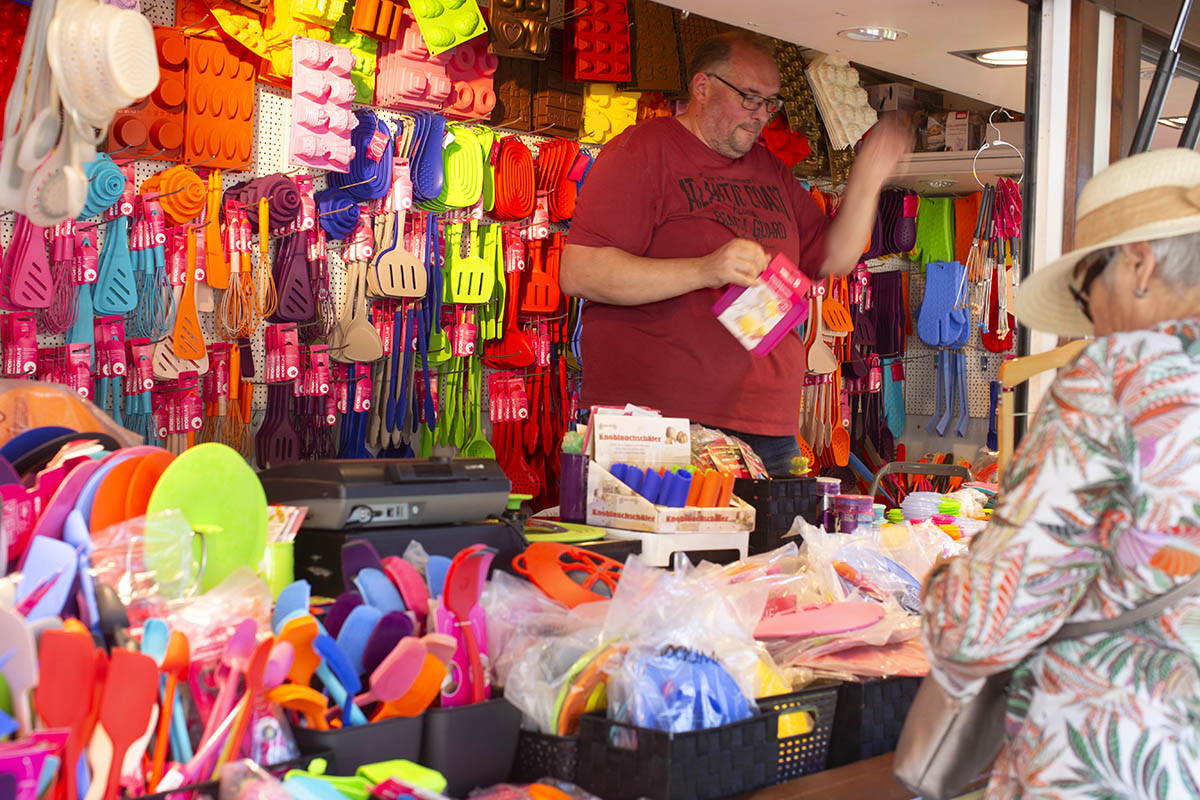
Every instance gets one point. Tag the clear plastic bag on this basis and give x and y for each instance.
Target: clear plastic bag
(149, 561)
(245, 780)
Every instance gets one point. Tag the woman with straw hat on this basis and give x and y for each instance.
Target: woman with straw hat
(1099, 513)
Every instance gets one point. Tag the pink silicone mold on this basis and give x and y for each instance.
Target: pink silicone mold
(321, 95)
(407, 76)
(472, 68)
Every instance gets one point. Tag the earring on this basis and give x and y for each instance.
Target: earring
(1141, 292)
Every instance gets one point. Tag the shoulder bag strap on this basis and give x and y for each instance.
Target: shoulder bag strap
(1139, 614)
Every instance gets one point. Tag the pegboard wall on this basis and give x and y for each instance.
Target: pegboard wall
(920, 360)
(272, 126)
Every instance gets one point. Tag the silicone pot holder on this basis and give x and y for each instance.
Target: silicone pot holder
(222, 498)
(570, 575)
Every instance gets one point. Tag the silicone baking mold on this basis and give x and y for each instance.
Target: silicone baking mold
(366, 54)
(447, 23)
(514, 84)
(219, 118)
(606, 112)
(321, 96)
(407, 76)
(597, 41)
(325, 13)
(471, 71)
(655, 67)
(379, 19)
(557, 103)
(842, 102)
(520, 28)
(153, 127)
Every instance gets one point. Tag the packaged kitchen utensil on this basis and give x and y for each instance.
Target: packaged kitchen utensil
(761, 315)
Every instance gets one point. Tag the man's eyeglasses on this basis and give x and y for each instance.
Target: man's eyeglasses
(1090, 268)
(752, 102)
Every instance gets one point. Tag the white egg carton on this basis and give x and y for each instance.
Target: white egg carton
(842, 102)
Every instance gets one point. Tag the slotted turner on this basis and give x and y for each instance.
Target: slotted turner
(187, 340)
(473, 277)
(397, 272)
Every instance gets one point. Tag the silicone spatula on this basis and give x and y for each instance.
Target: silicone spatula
(255, 671)
(54, 514)
(294, 598)
(378, 591)
(341, 608)
(64, 693)
(306, 701)
(413, 590)
(175, 665)
(392, 679)
(358, 554)
(463, 584)
(352, 638)
(130, 692)
(49, 569)
(435, 574)
(442, 646)
(20, 671)
(300, 632)
(391, 628)
(424, 690)
(235, 659)
(339, 678)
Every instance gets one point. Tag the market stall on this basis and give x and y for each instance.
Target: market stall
(300, 494)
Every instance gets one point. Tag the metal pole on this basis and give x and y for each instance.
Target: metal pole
(1168, 60)
(1191, 130)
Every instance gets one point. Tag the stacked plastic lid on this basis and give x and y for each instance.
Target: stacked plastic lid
(921, 505)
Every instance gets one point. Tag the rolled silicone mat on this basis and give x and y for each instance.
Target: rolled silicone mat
(153, 126)
(222, 498)
(557, 102)
(520, 28)
(655, 48)
(514, 83)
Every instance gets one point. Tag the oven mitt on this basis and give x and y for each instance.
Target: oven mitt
(893, 397)
(935, 230)
(938, 325)
(428, 168)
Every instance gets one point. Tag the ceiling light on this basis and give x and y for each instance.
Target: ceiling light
(936, 183)
(994, 57)
(873, 34)
(1173, 122)
(1008, 57)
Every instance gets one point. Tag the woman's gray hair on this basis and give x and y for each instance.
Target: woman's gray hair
(1177, 259)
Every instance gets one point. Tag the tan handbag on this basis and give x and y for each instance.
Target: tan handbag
(947, 742)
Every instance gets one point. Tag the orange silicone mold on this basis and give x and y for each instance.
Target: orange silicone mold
(379, 19)
(597, 41)
(472, 68)
(219, 120)
(153, 126)
(407, 76)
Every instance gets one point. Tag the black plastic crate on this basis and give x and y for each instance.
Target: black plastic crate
(625, 762)
(210, 789)
(777, 502)
(869, 718)
(355, 745)
(473, 746)
(544, 755)
(805, 753)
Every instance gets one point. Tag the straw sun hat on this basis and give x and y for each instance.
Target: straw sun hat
(1148, 196)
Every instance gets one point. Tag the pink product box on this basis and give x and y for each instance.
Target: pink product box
(321, 94)
(407, 76)
(471, 70)
(761, 315)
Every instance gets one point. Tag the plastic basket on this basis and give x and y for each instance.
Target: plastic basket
(806, 753)
(355, 745)
(210, 789)
(544, 755)
(777, 503)
(625, 762)
(473, 746)
(869, 718)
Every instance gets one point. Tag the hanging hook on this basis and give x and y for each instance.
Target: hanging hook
(157, 152)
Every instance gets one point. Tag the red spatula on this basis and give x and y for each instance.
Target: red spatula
(461, 594)
(130, 691)
(63, 697)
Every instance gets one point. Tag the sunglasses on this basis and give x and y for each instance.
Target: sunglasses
(1091, 268)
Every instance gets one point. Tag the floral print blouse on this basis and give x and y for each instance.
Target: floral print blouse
(1100, 512)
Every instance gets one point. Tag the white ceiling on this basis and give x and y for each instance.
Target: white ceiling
(934, 28)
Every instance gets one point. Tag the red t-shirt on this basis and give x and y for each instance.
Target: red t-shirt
(657, 191)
